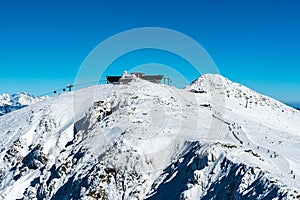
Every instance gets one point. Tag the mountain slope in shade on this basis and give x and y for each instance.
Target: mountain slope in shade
(213, 140)
(17, 101)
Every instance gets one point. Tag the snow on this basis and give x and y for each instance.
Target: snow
(17, 101)
(141, 140)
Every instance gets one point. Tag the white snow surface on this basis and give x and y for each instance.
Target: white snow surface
(21, 98)
(215, 139)
(17, 101)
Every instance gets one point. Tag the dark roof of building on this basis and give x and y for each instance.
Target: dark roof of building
(113, 79)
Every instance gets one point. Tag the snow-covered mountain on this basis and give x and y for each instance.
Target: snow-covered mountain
(17, 101)
(213, 140)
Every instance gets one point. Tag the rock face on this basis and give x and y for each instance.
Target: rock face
(152, 141)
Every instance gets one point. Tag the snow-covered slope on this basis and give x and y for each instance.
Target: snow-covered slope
(17, 101)
(152, 141)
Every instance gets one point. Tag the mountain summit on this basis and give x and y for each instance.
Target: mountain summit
(215, 139)
(17, 101)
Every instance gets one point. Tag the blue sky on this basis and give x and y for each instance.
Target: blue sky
(256, 43)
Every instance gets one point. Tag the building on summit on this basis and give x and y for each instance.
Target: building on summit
(126, 78)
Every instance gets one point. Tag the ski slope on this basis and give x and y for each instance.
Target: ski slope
(215, 139)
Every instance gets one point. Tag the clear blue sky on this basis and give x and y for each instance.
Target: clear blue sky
(254, 42)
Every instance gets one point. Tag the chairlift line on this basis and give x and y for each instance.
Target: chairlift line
(56, 91)
(70, 86)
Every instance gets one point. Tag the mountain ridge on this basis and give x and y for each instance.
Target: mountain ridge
(137, 141)
(17, 101)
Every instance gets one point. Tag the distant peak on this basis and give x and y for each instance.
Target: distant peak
(206, 81)
(19, 99)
